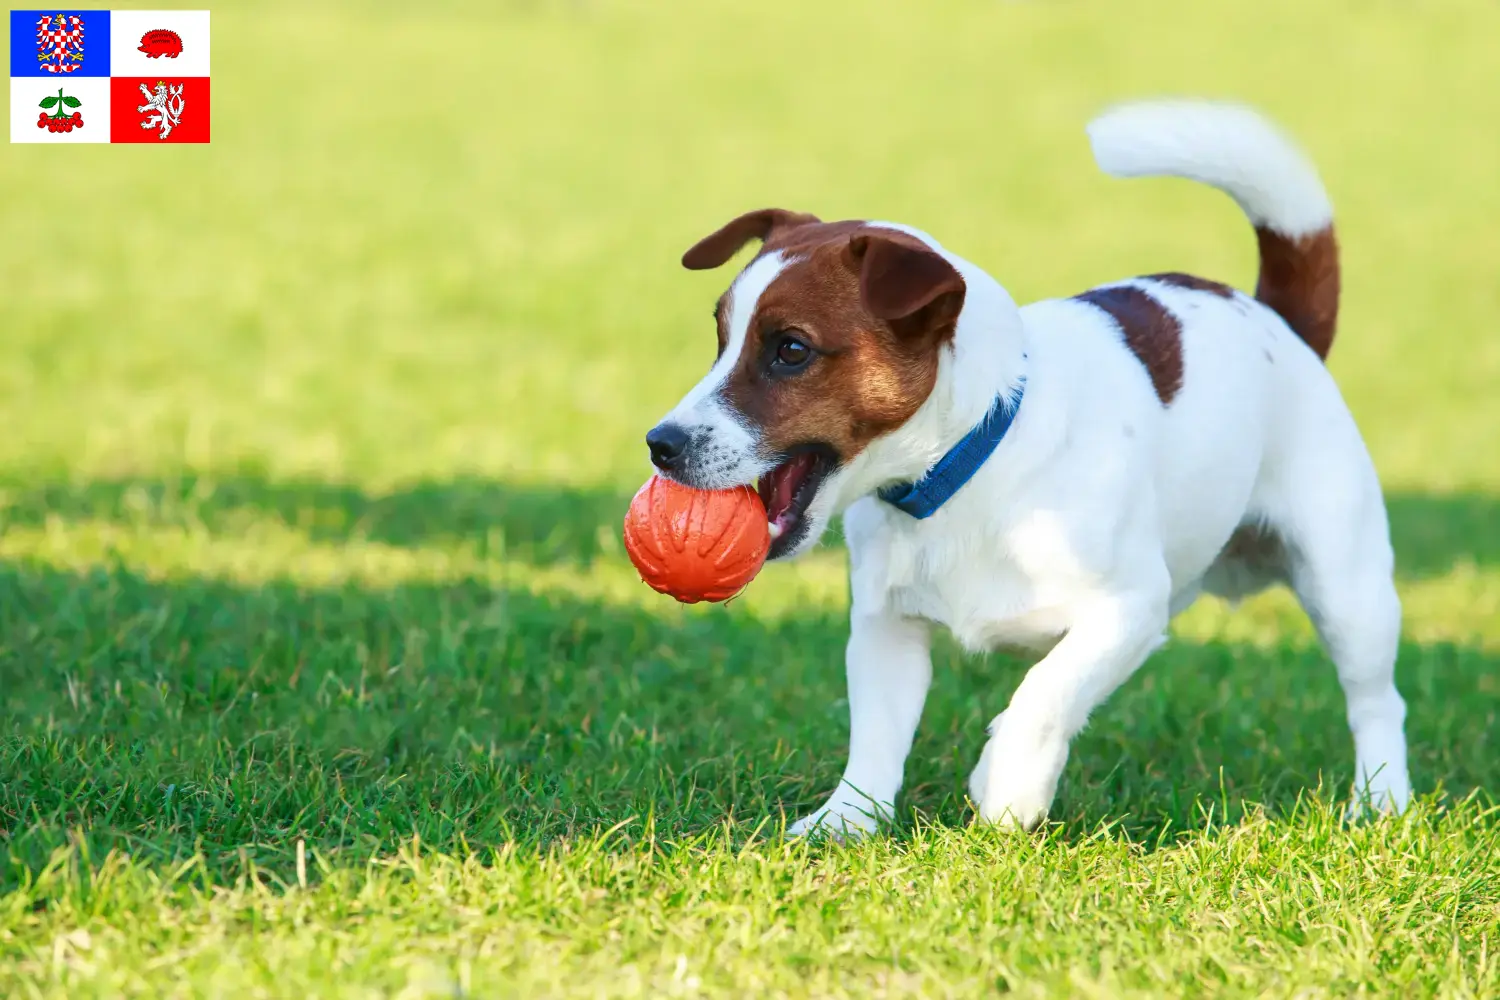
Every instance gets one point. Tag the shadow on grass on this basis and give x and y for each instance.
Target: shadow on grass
(168, 718)
(1434, 532)
(545, 525)
(542, 525)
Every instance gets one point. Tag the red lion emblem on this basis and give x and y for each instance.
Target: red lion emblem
(161, 42)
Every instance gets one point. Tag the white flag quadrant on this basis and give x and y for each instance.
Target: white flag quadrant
(132, 31)
(31, 122)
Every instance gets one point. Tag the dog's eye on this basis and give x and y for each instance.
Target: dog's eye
(792, 354)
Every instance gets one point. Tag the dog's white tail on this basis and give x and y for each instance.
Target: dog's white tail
(1237, 151)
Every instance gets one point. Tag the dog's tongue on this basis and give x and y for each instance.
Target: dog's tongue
(779, 486)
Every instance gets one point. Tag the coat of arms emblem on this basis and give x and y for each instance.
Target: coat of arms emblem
(59, 42)
(163, 107)
(161, 42)
(60, 120)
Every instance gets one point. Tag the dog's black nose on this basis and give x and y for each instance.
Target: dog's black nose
(667, 443)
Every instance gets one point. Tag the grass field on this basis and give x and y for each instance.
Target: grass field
(322, 671)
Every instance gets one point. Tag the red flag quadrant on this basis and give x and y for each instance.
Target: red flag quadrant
(158, 109)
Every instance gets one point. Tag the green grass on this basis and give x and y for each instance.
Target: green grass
(322, 670)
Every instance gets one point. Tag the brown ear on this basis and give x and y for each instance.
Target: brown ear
(717, 247)
(900, 275)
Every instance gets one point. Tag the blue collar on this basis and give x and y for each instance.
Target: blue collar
(922, 498)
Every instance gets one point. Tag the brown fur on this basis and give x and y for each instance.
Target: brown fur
(717, 247)
(1152, 333)
(1256, 547)
(803, 239)
(1194, 283)
(1300, 280)
(875, 304)
(1254, 558)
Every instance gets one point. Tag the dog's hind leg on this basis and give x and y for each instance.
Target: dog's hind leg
(1340, 564)
(889, 664)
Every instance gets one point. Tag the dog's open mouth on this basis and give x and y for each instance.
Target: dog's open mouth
(787, 491)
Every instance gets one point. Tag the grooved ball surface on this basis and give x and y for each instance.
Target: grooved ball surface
(696, 545)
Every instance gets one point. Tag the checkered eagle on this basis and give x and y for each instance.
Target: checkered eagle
(59, 42)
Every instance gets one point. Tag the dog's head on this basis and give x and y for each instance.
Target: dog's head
(828, 339)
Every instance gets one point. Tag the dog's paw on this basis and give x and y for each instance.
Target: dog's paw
(1013, 787)
(840, 821)
(1019, 812)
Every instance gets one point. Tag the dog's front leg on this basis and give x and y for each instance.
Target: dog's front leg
(889, 663)
(1017, 775)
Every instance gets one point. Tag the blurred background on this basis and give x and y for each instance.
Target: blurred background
(440, 243)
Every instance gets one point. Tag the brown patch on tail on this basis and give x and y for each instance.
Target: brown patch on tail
(1152, 333)
(1299, 278)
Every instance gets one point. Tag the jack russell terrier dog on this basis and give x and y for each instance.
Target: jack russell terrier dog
(1065, 476)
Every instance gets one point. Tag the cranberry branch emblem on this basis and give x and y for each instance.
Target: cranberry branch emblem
(60, 121)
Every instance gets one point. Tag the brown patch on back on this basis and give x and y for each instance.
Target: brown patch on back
(1193, 283)
(871, 372)
(1152, 333)
(1299, 279)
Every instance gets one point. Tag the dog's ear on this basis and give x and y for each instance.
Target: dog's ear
(900, 276)
(722, 244)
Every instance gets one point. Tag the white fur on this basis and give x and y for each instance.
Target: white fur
(1229, 147)
(1102, 512)
(726, 451)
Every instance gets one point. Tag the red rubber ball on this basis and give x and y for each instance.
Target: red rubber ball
(696, 545)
